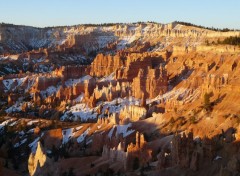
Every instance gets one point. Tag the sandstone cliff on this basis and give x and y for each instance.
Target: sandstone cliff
(37, 161)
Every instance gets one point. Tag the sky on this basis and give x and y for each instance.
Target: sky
(42, 13)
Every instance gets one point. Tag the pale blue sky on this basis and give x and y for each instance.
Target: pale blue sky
(217, 13)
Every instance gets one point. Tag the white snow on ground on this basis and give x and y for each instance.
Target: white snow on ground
(104, 40)
(30, 131)
(36, 43)
(169, 95)
(71, 82)
(20, 143)
(79, 98)
(8, 83)
(13, 124)
(108, 78)
(88, 142)
(121, 129)
(20, 80)
(12, 57)
(128, 133)
(31, 81)
(41, 59)
(6, 122)
(79, 128)
(104, 36)
(117, 104)
(43, 68)
(177, 93)
(17, 107)
(2, 58)
(193, 96)
(83, 112)
(126, 40)
(49, 91)
(49, 152)
(111, 132)
(33, 145)
(217, 158)
(79, 111)
(32, 122)
(76, 58)
(178, 27)
(67, 135)
(107, 37)
(82, 136)
(21, 133)
(9, 69)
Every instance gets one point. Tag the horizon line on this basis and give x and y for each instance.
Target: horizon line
(114, 23)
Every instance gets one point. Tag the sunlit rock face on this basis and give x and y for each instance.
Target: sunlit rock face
(140, 98)
(87, 38)
(36, 161)
(152, 82)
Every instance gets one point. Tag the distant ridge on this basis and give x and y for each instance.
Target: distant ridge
(209, 28)
(119, 23)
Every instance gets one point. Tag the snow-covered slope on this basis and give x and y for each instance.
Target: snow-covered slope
(94, 37)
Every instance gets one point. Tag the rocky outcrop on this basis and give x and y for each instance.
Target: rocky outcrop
(12, 98)
(127, 155)
(87, 38)
(112, 90)
(115, 155)
(52, 138)
(134, 113)
(188, 153)
(73, 72)
(153, 82)
(182, 151)
(37, 161)
(105, 65)
(140, 68)
(152, 75)
(138, 152)
(43, 82)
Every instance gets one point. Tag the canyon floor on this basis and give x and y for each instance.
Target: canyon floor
(119, 99)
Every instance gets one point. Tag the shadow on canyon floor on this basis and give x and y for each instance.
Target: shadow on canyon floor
(214, 156)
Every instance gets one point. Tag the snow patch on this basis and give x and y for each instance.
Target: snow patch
(108, 78)
(71, 82)
(49, 91)
(33, 145)
(3, 124)
(20, 143)
(67, 135)
(121, 129)
(83, 136)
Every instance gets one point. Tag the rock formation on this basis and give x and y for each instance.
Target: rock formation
(119, 98)
(37, 161)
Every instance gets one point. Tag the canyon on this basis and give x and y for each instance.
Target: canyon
(119, 99)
